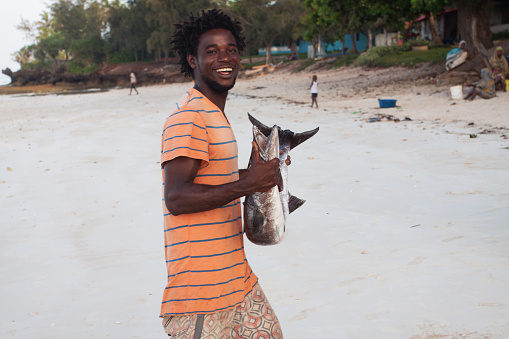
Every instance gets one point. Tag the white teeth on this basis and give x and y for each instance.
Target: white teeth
(224, 70)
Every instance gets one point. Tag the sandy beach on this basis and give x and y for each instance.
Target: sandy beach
(405, 232)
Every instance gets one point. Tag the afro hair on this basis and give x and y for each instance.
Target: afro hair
(187, 34)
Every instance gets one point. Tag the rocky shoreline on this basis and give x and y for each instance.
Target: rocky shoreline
(107, 76)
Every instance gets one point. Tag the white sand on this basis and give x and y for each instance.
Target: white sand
(405, 233)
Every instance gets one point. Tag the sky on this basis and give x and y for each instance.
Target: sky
(11, 39)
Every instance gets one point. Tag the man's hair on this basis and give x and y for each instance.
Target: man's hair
(187, 34)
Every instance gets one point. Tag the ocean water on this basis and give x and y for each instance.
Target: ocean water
(4, 79)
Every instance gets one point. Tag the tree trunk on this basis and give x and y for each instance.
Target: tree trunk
(474, 25)
(268, 55)
(354, 43)
(268, 45)
(434, 34)
(293, 47)
(370, 39)
(386, 36)
(135, 56)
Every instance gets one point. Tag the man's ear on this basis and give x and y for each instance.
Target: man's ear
(191, 60)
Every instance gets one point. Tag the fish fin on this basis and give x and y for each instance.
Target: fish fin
(299, 138)
(286, 137)
(263, 128)
(294, 202)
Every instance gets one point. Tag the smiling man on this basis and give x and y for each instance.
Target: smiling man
(211, 291)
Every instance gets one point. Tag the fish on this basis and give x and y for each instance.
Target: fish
(265, 213)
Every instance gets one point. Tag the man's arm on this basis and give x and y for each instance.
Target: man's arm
(182, 196)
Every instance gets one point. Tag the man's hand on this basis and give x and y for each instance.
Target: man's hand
(263, 175)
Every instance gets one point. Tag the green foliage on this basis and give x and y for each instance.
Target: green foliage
(501, 35)
(76, 67)
(120, 57)
(346, 60)
(37, 65)
(394, 55)
(91, 49)
(407, 46)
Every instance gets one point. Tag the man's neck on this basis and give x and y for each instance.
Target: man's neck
(218, 99)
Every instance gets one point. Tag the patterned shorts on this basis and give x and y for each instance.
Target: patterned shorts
(254, 318)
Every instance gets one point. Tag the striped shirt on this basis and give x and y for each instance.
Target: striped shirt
(207, 267)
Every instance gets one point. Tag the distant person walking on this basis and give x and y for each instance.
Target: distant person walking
(314, 91)
(133, 84)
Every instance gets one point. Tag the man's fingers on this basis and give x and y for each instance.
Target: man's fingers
(254, 151)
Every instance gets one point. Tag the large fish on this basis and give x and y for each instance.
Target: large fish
(265, 213)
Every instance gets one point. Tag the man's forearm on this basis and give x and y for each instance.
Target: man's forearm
(194, 198)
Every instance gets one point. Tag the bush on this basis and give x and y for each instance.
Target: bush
(76, 67)
(121, 57)
(501, 35)
(38, 65)
(369, 57)
(345, 60)
(387, 56)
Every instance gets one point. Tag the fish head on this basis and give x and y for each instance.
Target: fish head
(268, 146)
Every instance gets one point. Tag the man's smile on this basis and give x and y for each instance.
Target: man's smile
(224, 70)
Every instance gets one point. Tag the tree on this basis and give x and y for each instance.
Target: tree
(430, 8)
(161, 17)
(128, 29)
(265, 21)
(24, 55)
(474, 25)
(80, 23)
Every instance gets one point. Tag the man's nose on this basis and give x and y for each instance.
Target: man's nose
(224, 56)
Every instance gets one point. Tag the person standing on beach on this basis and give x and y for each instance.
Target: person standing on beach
(211, 290)
(133, 83)
(314, 91)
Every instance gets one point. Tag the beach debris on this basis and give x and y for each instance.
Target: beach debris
(374, 120)
(10, 169)
(265, 213)
(415, 225)
(473, 136)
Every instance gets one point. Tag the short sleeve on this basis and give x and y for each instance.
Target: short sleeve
(185, 135)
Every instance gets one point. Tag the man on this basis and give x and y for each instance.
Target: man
(211, 291)
(133, 83)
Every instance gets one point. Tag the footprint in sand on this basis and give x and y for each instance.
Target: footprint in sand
(417, 261)
(377, 315)
(452, 238)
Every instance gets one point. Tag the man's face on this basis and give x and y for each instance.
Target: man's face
(217, 61)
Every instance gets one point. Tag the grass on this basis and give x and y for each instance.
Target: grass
(411, 58)
(345, 60)
(306, 64)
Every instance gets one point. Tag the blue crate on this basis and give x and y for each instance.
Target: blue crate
(386, 103)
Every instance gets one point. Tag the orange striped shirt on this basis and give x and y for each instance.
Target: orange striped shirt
(207, 267)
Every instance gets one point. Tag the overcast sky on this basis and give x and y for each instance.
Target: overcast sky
(11, 40)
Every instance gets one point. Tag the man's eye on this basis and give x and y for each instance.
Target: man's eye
(211, 51)
(233, 50)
